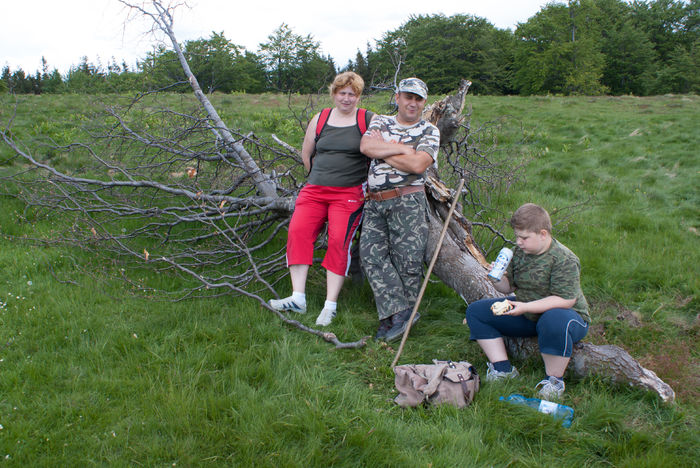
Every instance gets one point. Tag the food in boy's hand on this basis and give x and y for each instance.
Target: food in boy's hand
(499, 308)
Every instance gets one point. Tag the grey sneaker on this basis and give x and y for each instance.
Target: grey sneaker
(325, 317)
(552, 387)
(287, 304)
(493, 375)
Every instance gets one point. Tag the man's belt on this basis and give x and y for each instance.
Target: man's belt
(393, 193)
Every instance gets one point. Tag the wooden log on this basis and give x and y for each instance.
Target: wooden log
(607, 361)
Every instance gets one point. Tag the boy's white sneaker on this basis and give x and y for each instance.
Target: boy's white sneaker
(325, 317)
(552, 387)
(493, 375)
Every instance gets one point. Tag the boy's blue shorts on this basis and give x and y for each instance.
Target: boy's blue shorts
(557, 330)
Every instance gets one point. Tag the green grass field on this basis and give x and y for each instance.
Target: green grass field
(92, 372)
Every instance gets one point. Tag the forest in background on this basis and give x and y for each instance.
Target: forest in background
(581, 47)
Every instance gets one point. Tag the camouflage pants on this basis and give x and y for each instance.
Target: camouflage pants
(392, 245)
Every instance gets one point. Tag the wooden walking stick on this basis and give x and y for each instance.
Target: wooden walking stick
(427, 274)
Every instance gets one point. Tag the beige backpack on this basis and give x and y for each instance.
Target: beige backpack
(450, 382)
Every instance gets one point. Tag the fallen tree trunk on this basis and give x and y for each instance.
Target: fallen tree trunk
(460, 264)
(607, 361)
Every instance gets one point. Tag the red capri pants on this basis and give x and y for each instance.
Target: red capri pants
(316, 204)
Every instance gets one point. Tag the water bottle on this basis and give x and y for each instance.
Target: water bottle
(501, 263)
(563, 412)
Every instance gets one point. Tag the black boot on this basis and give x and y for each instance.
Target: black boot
(384, 326)
(399, 322)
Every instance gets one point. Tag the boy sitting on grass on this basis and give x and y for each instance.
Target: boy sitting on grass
(549, 304)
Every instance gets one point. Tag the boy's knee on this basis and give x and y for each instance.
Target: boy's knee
(550, 328)
(476, 310)
(468, 313)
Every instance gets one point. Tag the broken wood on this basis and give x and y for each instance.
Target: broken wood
(610, 362)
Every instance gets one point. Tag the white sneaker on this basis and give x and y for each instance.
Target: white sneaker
(287, 304)
(552, 387)
(325, 317)
(493, 375)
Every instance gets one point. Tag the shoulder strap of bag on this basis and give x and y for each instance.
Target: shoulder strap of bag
(362, 124)
(362, 120)
(468, 393)
(325, 113)
(462, 382)
(322, 120)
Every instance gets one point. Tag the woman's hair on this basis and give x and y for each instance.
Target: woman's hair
(351, 79)
(532, 218)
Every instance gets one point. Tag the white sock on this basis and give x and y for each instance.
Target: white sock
(330, 305)
(299, 298)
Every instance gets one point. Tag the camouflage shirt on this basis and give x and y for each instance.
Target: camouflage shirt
(556, 272)
(423, 136)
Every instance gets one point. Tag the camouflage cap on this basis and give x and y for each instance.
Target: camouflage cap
(415, 86)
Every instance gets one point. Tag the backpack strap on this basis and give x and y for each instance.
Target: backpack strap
(362, 116)
(325, 113)
(322, 120)
(362, 120)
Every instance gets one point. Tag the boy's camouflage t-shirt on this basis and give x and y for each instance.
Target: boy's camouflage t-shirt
(556, 272)
(423, 136)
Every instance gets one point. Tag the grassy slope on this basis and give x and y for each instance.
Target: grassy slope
(634, 161)
(94, 374)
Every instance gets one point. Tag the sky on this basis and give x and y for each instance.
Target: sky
(63, 31)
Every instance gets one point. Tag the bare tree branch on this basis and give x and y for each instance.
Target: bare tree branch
(163, 20)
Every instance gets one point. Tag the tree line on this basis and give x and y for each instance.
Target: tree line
(578, 47)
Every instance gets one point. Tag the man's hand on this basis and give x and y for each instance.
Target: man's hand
(375, 146)
(398, 155)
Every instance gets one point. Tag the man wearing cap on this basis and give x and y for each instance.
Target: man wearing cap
(395, 227)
